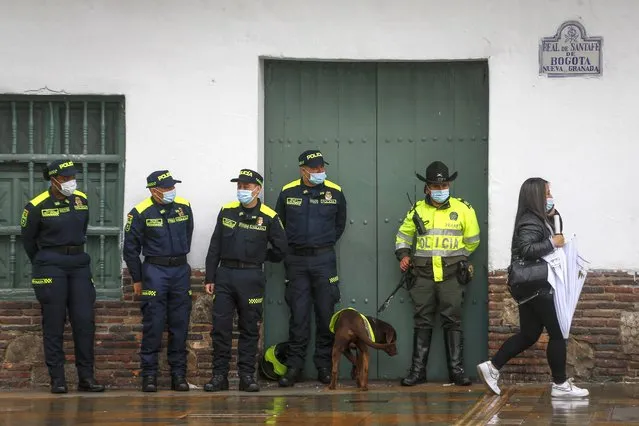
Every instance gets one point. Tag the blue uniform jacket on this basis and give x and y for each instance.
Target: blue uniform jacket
(243, 235)
(49, 222)
(157, 230)
(312, 216)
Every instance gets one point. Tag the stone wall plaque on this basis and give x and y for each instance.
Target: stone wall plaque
(570, 52)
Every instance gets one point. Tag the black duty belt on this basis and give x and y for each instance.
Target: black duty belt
(166, 260)
(65, 249)
(236, 264)
(310, 251)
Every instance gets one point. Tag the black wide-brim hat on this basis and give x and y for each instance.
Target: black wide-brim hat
(437, 172)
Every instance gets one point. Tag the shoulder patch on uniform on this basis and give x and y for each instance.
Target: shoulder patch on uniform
(144, 205)
(332, 185)
(295, 183)
(181, 200)
(129, 221)
(231, 205)
(80, 193)
(40, 198)
(24, 218)
(267, 210)
(465, 202)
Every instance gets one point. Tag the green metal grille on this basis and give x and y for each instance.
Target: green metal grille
(86, 129)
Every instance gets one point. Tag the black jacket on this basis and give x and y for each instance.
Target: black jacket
(243, 235)
(531, 241)
(312, 216)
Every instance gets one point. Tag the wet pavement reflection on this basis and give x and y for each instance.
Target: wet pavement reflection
(432, 404)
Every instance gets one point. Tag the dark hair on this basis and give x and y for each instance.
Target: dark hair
(45, 173)
(532, 199)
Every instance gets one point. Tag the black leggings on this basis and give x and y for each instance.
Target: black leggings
(533, 317)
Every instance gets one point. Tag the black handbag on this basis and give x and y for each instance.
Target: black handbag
(526, 277)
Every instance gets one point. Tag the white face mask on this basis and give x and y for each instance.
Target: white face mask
(67, 188)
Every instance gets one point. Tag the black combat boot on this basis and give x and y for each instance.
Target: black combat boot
(455, 356)
(58, 385)
(179, 384)
(289, 378)
(248, 384)
(149, 384)
(58, 382)
(421, 347)
(90, 385)
(217, 383)
(324, 375)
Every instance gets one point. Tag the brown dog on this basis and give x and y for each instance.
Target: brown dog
(351, 333)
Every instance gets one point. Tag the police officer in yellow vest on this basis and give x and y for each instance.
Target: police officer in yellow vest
(446, 232)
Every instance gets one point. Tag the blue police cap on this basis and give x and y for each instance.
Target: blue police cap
(161, 179)
(60, 168)
(249, 176)
(312, 158)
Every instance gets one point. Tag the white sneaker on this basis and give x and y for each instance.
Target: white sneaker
(490, 376)
(568, 390)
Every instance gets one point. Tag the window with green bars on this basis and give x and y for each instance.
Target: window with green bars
(35, 130)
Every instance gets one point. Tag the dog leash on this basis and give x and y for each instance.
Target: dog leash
(386, 303)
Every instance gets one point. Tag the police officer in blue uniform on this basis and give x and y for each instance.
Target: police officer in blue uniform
(313, 211)
(54, 227)
(238, 249)
(161, 227)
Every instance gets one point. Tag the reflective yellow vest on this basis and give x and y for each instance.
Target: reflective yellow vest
(451, 230)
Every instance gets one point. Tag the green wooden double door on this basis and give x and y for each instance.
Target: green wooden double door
(377, 124)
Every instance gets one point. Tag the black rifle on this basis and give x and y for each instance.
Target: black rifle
(406, 279)
(419, 223)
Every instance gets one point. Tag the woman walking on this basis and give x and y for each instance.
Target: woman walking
(533, 238)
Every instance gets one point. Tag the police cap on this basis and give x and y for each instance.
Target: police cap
(161, 179)
(60, 168)
(312, 158)
(249, 176)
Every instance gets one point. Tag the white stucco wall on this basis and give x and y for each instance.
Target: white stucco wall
(190, 73)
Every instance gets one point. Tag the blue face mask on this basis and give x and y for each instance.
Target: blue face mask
(245, 196)
(439, 195)
(317, 178)
(168, 196)
(550, 204)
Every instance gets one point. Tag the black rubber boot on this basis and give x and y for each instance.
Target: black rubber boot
(455, 356)
(421, 347)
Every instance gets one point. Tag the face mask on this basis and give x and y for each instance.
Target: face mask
(317, 178)
(439, 195)
(168, 196)
(67, 188)
(245, 196)
(550, 204)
